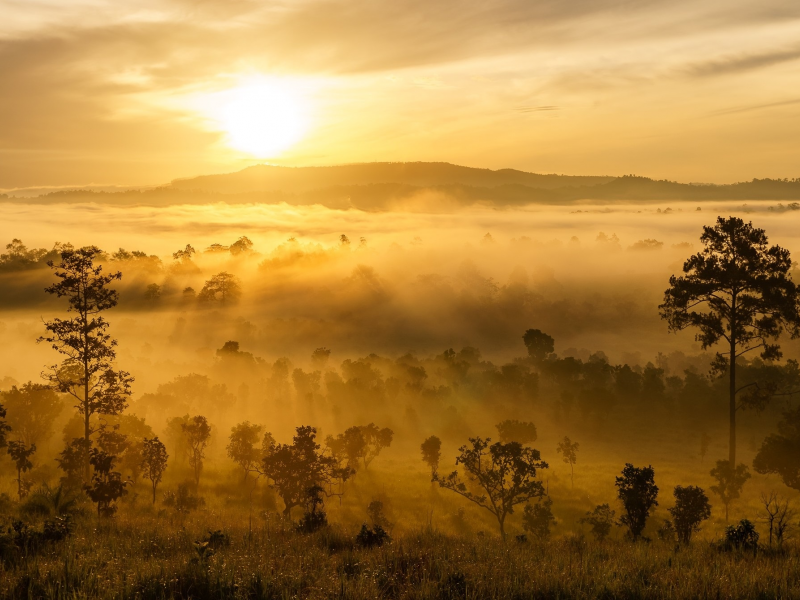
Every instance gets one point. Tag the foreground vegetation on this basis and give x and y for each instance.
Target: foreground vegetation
(172, 555)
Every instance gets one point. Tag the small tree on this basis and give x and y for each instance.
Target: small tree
(705, 440)
(87, 373)
(691, 508)
(539, 344)
(222, 287)
(749, 297)
(538, 518)
(21, 454)
(72, 460)
(780, 452)
(431, 453)
(512, 430)
(505, 474)
(242, 446)
(376, 439)
(197, 433)
(601, 519)
(107, 486)
(569, 451)
(729, 482)
(360, 443)
(298, 467)
(154, 461)
(637, 491)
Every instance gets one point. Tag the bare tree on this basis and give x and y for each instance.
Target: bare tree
(778, 517)
(505, 474)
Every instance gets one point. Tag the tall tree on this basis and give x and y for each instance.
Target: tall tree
(87, 373)
(737, 290)
(505, 474)
(4, 427)
(154, 461)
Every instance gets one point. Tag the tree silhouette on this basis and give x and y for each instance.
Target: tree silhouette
(748, 296)
(780, 452)
(516, 431)
(538, 518)
(222, 287)
(360, 443)
(705, 440)
(154, 461)
(431, 453)
(241, 246)
(4, 427)
(21, 455)
(33, 407)
(691, 508)
(87, 373)
(73, 460)
(601, 519)
(637, 491)
(729, 482)
(505, 474)
(107, 486)
(539, 344)
(569, 450)
(299, 467)
(197, 433)
(242, 446)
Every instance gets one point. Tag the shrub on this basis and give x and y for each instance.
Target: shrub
(372, 537)
(741, 537)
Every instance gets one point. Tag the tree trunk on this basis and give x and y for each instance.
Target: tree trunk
(154, 492)
(732, 407)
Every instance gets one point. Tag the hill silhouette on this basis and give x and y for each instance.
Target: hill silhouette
(419, 186)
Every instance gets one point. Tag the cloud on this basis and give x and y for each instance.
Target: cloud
(734, 65)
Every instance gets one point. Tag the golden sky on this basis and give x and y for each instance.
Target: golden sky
(135, 93)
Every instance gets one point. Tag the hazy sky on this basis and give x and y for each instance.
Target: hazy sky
(109, 92)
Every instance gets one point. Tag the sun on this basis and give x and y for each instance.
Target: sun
(263, 117)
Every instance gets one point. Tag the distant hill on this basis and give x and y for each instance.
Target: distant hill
(263, 178)
(387, 186)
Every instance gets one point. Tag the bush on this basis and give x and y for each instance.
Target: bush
(741, 537)
(372, 537)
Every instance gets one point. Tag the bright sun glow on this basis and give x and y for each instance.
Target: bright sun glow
(263, 117)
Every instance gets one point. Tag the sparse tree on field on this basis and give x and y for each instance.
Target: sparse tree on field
(780, 452)
(431, 453)
(512, 430)
(242, 447)
(360, 443)
(154, 461)
(21, 454)
(505, 474)
(729, 482)
(637, 491)
(377, 439)
(749, 299)
(601, 519)
(705, 440)
(779, 517)
(197, 433)
(87, 373)
(296, 468)
(691, 508)
(107, 486)
(222, 287)
(153, 292)
(569, 451)
(33, 408)
(539, 344)
(538, 518)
